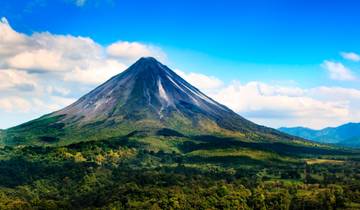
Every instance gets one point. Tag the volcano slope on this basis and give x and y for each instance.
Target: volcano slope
(147, 98)
(147, 139)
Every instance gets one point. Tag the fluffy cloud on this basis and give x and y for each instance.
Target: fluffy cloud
(36, 60)
(291, 106)
(279, 105)
(42, 72)
(53, 103)
(201, 81)
(15, 104)
(338, 71)
(44, 52)
(18, 104)
(95, 73)
(351, 56)
(132, 50)
(10, 40)
(272, 101)
(57, 91)
(334, 93)
(12, 79)
(70, 58)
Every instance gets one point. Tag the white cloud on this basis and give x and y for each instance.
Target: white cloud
(44, 52)
(12, 79)
(277, 90)
(338, 71)
(57, 91)
(10, 40)
(46, 71)
(37, 60)
(8, 34)
(351, 56)
(282, 105)
(201, 81)
(262, 100)
(276, 106)
(132, 50)
(43, 72)
(334, 93)
(52, 104)
(95, 73)
(20, 105)
(72, 58)
(15, 104)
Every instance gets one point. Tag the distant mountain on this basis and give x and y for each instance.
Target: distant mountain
(146, 99)
(347, 134)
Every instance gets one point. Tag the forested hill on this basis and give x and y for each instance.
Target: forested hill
(200, 173)
(344, 135)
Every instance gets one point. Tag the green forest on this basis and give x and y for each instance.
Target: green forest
(174, 172)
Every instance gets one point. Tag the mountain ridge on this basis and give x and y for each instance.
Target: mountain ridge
(347, 134)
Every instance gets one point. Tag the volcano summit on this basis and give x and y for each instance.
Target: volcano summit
(148, 98)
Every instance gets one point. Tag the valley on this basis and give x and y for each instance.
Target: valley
(172, 172)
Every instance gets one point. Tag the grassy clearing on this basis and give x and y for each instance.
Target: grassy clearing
(241, 152)
(323, 161)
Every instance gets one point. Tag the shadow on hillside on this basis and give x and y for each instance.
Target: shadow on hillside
(226, 160)
(19, 171)
(208, 142)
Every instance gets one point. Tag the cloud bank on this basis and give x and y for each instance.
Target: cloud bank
(43, 72)
(278, 105)
(46, 71)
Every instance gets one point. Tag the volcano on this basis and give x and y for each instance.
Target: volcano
(148, 98)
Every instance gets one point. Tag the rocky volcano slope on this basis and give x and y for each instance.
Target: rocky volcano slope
(146, 98)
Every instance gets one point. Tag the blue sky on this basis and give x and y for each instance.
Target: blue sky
(302, 53)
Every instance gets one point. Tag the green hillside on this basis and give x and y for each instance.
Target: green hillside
(170, 171)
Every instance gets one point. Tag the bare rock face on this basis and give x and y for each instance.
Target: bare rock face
(151, 88)
(146, 84)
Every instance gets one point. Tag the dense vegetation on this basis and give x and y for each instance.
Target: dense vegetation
(170, 171)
